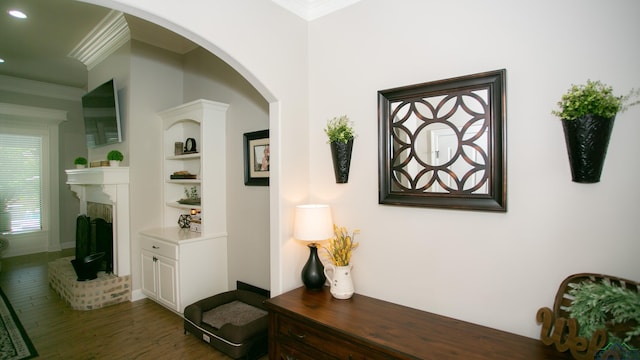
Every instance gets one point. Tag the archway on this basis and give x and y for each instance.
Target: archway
(274, 120)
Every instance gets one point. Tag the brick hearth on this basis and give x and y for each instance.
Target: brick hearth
(107, 289)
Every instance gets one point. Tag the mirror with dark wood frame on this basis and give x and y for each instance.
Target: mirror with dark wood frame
(442, 144)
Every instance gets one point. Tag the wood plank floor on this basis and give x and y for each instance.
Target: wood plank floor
(133, 330)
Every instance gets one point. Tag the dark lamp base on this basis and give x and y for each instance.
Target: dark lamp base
(313, 276)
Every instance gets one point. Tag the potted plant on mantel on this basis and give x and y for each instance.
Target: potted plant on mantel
(587, 113)
(114, 157)
(80, 162)
(340, 133)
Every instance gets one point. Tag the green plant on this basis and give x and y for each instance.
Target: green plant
(80, 161)
(594, 98)
(191, 193)
(115, 155)
(596, 305)
(339, 129)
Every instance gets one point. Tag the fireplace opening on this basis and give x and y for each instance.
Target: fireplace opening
(94, 247)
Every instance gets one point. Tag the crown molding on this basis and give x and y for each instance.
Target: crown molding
(31, 113)
(104, 39)
(39, 88)
(314, 9)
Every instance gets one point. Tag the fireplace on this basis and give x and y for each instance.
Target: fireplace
(94, 247)
(104, 195)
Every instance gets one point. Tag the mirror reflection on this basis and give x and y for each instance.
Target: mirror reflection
(440, 143)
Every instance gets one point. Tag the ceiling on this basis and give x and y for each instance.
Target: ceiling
(37, 48)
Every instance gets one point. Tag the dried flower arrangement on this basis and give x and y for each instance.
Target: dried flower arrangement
(341, 246)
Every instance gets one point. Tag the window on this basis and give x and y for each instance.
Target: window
(21, 181)
(29, 142)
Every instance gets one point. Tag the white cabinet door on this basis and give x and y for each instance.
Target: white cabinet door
(167, 271)
(149, 276)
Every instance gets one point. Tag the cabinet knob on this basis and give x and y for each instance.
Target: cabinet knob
(155, 247)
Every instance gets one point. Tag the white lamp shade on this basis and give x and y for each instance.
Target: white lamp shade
(313, 222)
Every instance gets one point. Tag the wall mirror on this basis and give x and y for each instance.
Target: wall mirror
(443, 144)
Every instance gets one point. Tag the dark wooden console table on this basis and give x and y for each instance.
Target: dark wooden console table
(308, 325)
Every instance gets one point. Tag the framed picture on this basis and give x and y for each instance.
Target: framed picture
(256, 158)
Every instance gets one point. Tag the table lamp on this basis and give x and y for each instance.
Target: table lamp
(313, 223)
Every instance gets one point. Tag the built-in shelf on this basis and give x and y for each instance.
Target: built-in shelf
(184, 181)
(184, 156)
(183, 206)
(173, 260)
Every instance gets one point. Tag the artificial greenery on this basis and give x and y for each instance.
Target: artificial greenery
(597, 304)
(115, 155)
(594, 98)
(80, 161)
(339, 129)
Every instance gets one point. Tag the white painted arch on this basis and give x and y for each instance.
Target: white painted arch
(267, 45)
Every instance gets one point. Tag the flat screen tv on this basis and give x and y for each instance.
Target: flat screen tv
(102, 115)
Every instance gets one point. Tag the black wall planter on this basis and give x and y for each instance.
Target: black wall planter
(341, 154)
(587, 141)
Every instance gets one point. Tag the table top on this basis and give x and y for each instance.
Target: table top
(413, 332)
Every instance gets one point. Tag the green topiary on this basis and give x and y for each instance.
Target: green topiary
(115, 155)
(597, 305)
(80, 161)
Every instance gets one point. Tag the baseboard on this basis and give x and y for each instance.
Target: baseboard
(68, 245)
(244, 286)
(137, 295)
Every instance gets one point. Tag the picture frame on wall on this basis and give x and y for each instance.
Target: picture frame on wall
(256, 158)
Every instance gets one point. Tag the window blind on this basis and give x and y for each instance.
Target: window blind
(20, 180)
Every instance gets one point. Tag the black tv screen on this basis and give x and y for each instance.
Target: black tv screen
(102, 115)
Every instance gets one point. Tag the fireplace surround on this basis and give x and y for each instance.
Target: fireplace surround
(103, 193)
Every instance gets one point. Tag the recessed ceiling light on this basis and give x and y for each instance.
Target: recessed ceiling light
(17, 14)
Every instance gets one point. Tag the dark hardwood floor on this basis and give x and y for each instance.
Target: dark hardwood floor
(133, 330)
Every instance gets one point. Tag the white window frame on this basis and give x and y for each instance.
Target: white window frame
(44, 122)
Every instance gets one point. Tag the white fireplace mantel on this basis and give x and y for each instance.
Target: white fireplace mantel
(107, 185)
(98, 176)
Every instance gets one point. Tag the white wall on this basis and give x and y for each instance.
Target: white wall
(496, 269)
(487, 268)
(116, 66)
(208, 77)
(156, 85)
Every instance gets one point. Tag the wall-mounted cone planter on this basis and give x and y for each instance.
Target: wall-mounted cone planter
(341, 154)
(587, 141)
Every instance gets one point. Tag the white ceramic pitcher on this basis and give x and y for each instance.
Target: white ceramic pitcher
(341, 282)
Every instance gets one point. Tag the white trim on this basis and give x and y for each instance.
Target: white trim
(103, 40)
(31, 113)
(46, 122)
(38, 88)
